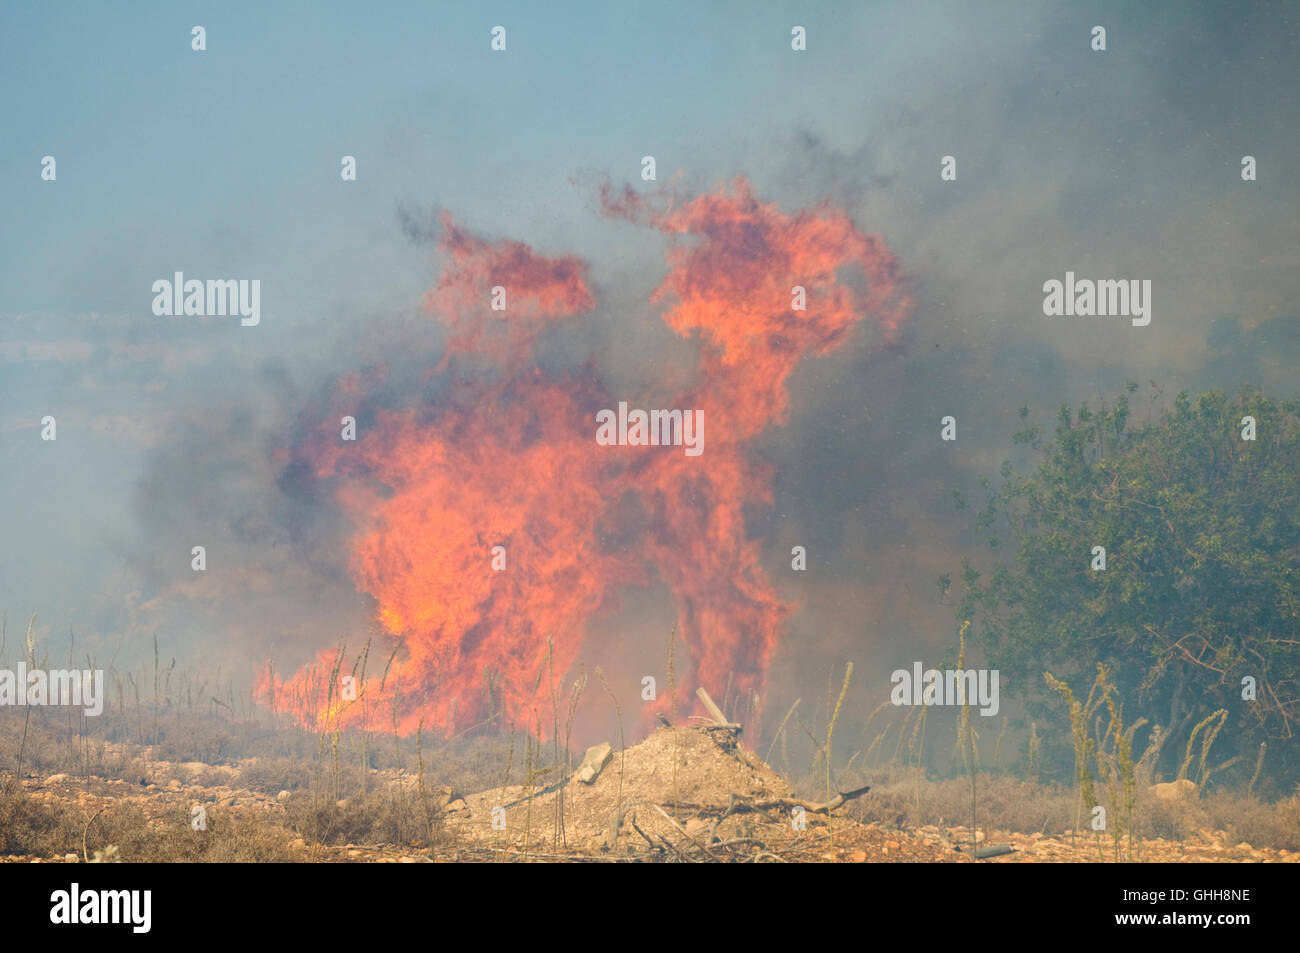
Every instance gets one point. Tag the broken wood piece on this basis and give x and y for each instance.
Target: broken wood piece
(843, 796)
(671, 820)
(993, 850)
(738, 804)
(645, 837)
(734, 727)
(712, 708)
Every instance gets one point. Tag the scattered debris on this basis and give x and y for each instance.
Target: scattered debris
(1175, 790)
(718, 717)
(689, 794)
(993, 850)
(722, 804)
(593, 762)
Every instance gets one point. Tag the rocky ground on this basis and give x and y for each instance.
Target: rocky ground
(691, 794)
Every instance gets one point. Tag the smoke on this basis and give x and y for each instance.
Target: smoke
(491, 528)
(182, 432)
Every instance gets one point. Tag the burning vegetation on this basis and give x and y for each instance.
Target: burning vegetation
(485, 522)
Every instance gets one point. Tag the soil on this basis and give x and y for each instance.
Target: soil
(690, 794)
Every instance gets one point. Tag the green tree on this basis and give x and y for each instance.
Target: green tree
(1201, 587)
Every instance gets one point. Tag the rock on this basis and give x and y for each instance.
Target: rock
(70, 858)
(1174, 790)
(593, 762)
(696, 825)
(283, 796)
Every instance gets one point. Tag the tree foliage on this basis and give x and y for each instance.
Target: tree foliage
(1201, 530)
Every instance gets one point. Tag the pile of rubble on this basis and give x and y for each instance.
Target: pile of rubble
(691, 794)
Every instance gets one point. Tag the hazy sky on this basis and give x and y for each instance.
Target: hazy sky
(225, 163)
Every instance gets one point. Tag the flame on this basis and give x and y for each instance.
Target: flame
(509, 459)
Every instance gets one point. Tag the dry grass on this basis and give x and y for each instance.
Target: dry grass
(43, 828)
(342, 787)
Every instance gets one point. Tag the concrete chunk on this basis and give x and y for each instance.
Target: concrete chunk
(593, 762)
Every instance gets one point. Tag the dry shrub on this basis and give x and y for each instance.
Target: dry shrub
(1006, 803)
(273, 775)
(1255, 822)
(392, 816)
(29, 826)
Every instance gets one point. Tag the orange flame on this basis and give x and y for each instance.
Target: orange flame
(510, 460)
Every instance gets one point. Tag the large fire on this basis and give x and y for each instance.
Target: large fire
(507, 457)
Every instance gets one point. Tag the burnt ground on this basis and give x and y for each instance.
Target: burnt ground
(683, 795)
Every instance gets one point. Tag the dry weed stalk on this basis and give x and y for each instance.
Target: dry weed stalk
(579, 686)
(1211, 724)
(1083, 747)
(672, 708)
(830, 732)
(966, 736)
(622, 754)
(780, 731)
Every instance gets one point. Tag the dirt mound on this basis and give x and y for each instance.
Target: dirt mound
(682, 794)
